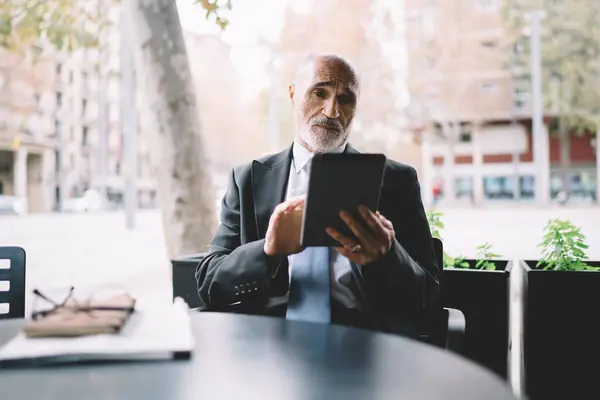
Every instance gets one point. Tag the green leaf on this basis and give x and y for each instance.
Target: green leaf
(563, 246)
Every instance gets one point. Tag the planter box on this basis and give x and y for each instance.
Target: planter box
(483, 297)
(184, 278)
(561, 333)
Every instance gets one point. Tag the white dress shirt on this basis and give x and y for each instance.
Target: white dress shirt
(340, 269)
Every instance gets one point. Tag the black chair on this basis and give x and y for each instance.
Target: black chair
(15, 276)
(450, 326)
(444, 328)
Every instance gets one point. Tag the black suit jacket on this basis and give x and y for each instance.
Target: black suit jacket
(398, 289)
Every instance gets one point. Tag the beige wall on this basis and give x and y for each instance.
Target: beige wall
(456, 61)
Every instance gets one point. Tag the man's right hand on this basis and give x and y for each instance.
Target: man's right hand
(285, 226)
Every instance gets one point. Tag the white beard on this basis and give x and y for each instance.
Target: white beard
(322, 140)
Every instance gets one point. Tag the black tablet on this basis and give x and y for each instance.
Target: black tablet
(339, 182)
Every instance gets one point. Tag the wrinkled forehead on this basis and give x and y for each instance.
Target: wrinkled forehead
(335, 73)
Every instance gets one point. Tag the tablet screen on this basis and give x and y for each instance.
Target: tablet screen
(339, 182)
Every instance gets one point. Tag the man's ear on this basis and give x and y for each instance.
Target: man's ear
(292, 91)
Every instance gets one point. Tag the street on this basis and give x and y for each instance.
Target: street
(91, 251)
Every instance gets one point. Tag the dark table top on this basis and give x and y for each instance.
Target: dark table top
(249, 357)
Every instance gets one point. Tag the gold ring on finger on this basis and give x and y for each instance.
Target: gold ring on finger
(357, 248)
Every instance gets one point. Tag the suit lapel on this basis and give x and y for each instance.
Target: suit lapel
(269, 184)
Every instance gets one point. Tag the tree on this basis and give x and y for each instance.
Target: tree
(570, 48)
(187, 199)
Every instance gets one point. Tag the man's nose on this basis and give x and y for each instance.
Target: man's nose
(331, 108)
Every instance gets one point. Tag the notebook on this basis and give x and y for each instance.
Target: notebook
(161, 333)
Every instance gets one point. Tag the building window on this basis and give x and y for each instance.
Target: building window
(465, 137)
(58, 99)
(57, 128)
(56, 161)
(83, 106)
(498, 187)
(490, 87)
(84, 136)
(58, 69)
(521, 93)
(487, 5)
(489, 44)
(70, 76)
(521, 46)
(464, 187)
(466, 134)
(527, 186)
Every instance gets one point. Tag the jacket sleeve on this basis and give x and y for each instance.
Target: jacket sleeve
(232, 272)
(405, 282)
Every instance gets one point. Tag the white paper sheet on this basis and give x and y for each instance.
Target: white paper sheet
(151, 334)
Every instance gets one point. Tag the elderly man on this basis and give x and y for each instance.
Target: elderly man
(255, 260)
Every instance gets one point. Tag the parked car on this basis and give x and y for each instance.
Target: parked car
(91, 200)
(12, 205)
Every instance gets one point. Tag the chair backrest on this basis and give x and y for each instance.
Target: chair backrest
(438, 250)
(12, 282)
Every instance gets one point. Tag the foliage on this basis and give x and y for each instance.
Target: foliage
(563, 247)
(26, 26)
(214, 9)
(484, 255)
(434, 217)
(456, 262)
(570, 46)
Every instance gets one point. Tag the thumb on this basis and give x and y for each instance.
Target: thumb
(295, 202)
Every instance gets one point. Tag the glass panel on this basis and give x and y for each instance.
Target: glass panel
(498, 187)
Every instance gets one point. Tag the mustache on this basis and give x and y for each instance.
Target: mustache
(326, 121)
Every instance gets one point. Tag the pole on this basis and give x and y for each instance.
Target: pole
(102, 111)
(540, 136)
(128, 115)
(273, 107)
(597, 149)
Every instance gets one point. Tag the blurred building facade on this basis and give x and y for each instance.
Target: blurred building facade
(60, 131)
(473, 118)
(27, 139)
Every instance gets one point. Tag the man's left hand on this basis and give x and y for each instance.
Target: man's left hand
(370, 245)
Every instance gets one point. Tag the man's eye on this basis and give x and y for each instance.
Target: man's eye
(319, 93)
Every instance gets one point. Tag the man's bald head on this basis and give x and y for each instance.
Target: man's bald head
(325, 62)
(324, 96)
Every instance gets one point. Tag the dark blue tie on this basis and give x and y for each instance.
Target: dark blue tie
(309, 286)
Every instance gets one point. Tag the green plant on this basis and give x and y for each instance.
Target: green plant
(456, 262)
(563, 247)
(436, 225)
(434, 217)
(484, 257)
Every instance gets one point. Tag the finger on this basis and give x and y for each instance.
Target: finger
(386, 222)
(372, 220)
(357, 258)
(361, 234)
(341, 239)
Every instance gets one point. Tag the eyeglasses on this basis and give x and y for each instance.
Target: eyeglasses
(71, 305)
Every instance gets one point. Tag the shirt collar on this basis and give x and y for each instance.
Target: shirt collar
(301, 156)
